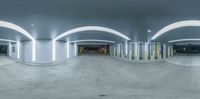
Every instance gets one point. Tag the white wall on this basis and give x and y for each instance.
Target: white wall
(43, 51)
(61, 51)
(26, 51)
(14, 53)
(71, 50)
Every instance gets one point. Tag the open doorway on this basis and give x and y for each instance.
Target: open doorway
(186, 49)
(93, 49)
(3, 50)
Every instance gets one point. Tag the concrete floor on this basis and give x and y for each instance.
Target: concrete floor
(185, 60)
(99, 77)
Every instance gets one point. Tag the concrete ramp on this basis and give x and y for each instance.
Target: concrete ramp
(185, 60)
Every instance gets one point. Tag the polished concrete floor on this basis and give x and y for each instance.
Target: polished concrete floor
(99, 77)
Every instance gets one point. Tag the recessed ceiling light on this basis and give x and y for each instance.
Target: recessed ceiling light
(149, 31)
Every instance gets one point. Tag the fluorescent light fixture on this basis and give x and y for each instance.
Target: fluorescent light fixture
(54, 50)
(92, 43)
(17, 28)
(183, 40)
(68, 44)
(92, 28)
(175, 26)
(33, 50)
(18, 49)
(10, 48)
(92, 40)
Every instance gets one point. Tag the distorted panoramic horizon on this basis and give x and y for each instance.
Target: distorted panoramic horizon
(99, 49)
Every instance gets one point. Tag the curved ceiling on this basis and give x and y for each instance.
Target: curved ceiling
(176, 25)
(46, 19)
(92, 28)
(8, 25)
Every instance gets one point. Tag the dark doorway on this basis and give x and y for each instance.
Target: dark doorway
(93, 49)
(187, 49)
(3, 50)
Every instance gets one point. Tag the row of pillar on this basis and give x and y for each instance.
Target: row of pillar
(141, 50)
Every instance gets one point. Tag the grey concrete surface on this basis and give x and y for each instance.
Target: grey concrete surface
(99, 77)
(185, 60)
(4, 60)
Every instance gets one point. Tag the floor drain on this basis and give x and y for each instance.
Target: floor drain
(102, 95)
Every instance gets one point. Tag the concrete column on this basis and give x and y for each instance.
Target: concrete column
(105, 50)
(122, 50)
(10, 48)
(137, 51)
(159, 50)
(168, 51)
(153, 47)
(126, 49)
(114, 50)
(76, 49)
(146, 48)
(118, 50)
(130, 51)
(164, 50)
(172, 50)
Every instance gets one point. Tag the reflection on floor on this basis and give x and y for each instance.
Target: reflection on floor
(185, 60)
(97, 77)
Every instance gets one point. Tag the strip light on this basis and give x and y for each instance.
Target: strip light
(54, 50)
(93, 44)
(22, 31)
(18, 49)
(92, 40)
(68, 49)
(33, 50)
(175, 26)
(182, 40)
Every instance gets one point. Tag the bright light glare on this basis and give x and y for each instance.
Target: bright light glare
(16, 28)
(33, 50)
(68, 49)
(93, 44)
(18, 49)
(92, 40)
(175, 26)
(182, 40)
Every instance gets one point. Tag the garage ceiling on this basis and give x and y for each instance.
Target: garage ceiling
(46, 19)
